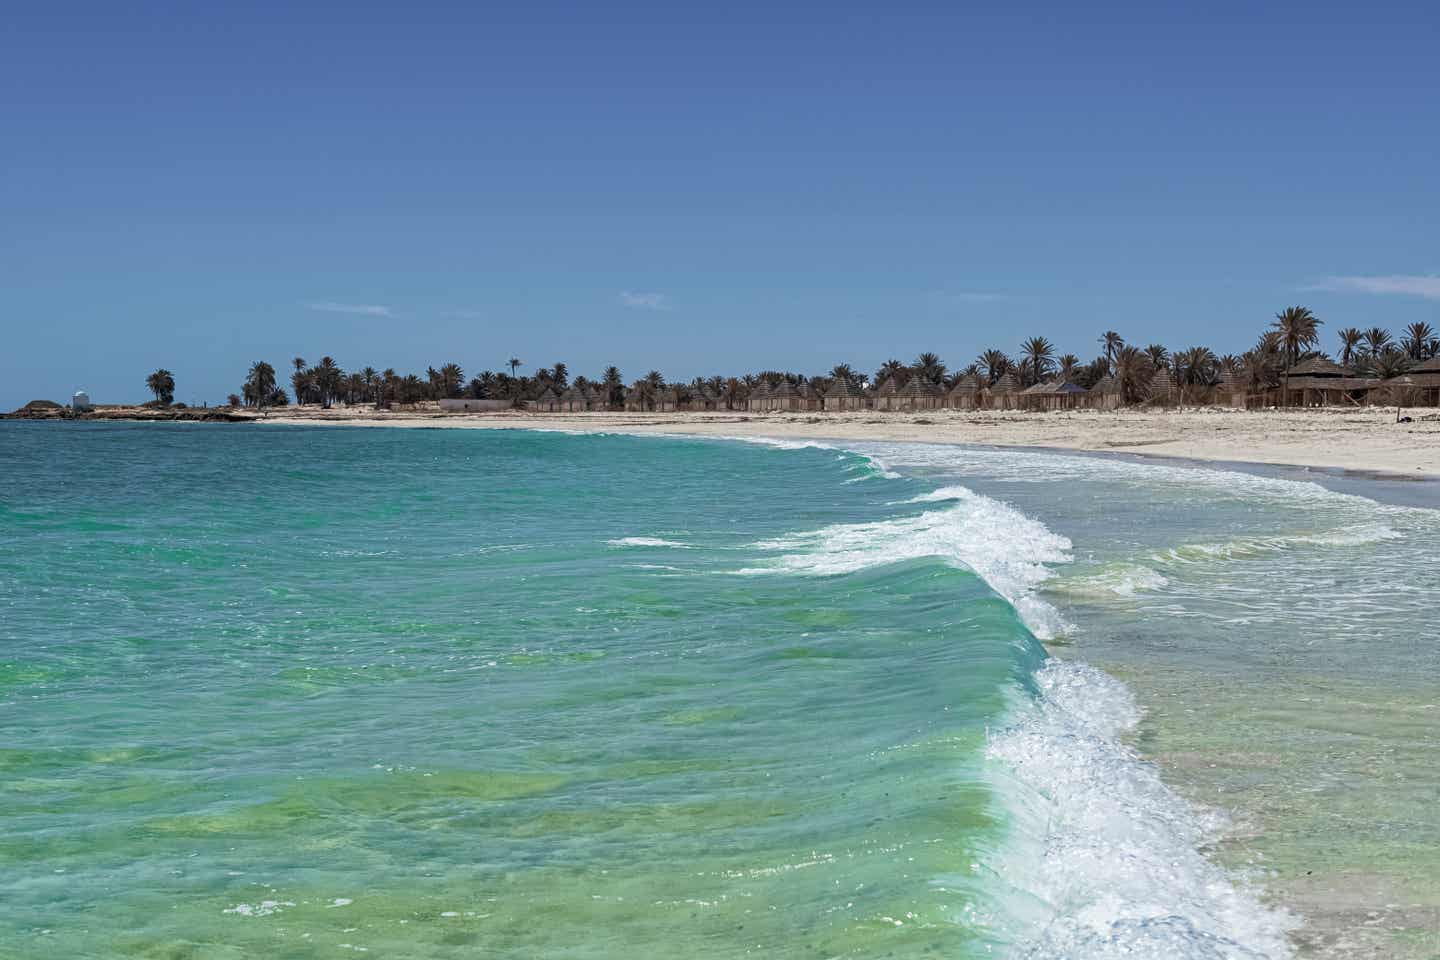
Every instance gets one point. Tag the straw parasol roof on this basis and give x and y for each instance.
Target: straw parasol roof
(1107, 384)
(783, 390)
(1319, 367)
(1006, 384)
(1163, 382)
(841, 389)
(918, 387)
(966, 386)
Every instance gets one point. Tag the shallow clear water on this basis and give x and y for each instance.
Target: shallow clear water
(305, 692)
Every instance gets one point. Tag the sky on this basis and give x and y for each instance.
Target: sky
(701, 189)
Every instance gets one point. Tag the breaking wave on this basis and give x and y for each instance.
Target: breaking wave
(1107, 856)
(1005, 548)
(1103, 859)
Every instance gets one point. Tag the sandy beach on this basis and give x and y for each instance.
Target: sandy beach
(1365, 440)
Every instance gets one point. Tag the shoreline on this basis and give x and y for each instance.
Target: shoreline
(1347, 445)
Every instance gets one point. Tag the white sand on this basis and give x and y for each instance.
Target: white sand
(1362, 439)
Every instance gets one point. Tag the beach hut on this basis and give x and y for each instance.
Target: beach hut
(1233, 390)
(80, 402)
(1425, 377)
(548, 402)
(759, 399)
(1162, 386)
(634, 398)
(843, 395)
(570, 400)
(1001, 395)
(667, 400)
(1106, 394)
(919, 393)
(786, 397)
(1319, 382)
(965, 394)
(1030, 397)
(884, 398)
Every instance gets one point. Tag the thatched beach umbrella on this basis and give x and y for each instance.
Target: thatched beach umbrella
(843, 395)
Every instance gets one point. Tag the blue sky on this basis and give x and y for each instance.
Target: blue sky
(702, 189)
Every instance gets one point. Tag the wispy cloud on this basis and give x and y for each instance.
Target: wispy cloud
(1411, 285)
(965, 296)
(356, 309)
(645, 301)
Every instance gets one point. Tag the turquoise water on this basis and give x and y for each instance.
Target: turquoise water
(427, 693)
(271, 693)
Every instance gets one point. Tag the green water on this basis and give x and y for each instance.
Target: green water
(314, 692)
(299, 693)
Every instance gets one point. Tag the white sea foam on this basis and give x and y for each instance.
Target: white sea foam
(264, 908)
(1003, 546)
(648, 542)
(1104, 856)
(1239, 548)
(1114, 580)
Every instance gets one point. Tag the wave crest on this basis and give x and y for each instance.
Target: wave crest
(1106, 853)
(1005, 548)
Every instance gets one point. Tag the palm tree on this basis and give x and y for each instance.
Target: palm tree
(515, 362)
(1390, 363)
(929, 366)
(614, 388)
(891, 369)
(302, 381)
(371, 380)
(1040, 352)
(388, 386)
(1350, 338)
(1112, 343)
(259, 388)
(162, 384)
(1376, 340)
(452, 379)
(328, 380)
(994, 363)
(1417, 337)
(1298, 329)
(1158, 355)
(1134, 371)
(234, 400)
(1069, 366)
(1195, 367)
(651, 386)
(842, 371)
(734, 390)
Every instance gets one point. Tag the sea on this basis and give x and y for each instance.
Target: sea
(295, 692)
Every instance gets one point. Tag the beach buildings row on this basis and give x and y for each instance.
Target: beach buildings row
(1312, 382)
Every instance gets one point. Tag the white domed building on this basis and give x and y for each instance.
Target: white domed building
(81, 402)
